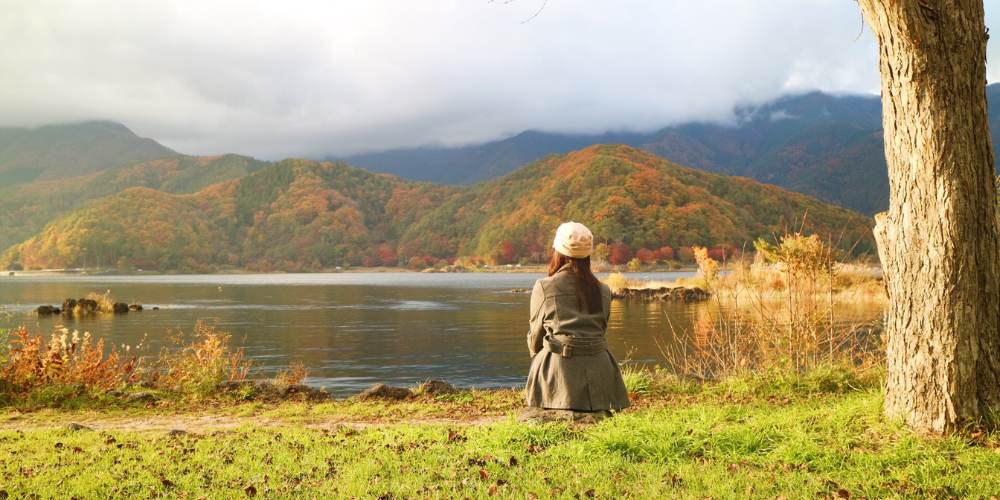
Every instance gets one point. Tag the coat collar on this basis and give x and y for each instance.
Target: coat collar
(565, 267)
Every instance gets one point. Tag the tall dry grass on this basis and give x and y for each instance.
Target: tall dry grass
(198, 362)
(708, 268)
(64, 359)
(294, 375)
(795, 307)
(105, 302)
(69, 364)
(618, 282)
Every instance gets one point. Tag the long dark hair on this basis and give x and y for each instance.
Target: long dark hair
(588, 289)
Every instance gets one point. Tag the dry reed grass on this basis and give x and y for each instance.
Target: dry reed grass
(294, 375)
(69, 364)
(199, 362)
(618, 282)
(65, 359)
(781, 312)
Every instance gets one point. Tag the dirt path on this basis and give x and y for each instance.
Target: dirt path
(216, 422)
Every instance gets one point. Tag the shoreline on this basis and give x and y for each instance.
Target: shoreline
(359, 270)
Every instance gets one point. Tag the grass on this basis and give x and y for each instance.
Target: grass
(764, 436)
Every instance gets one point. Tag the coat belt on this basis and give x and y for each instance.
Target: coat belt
(575, 346)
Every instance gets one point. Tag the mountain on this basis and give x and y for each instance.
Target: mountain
(470, 164)
(307, 215)
(628, 197)
(823, 145)
(56, 151)
(291, 215)
(26, 208)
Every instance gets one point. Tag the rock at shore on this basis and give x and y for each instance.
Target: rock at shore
(86, 307)
(47, 310)
(680, 294)
(434, 387)
(263, 390)
(80, 307)
(383, 391)
(304, 392)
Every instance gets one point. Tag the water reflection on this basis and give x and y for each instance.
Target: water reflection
(350, 330)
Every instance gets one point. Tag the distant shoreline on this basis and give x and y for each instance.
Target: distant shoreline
(532, 269)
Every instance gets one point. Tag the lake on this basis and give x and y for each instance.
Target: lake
(350, 330)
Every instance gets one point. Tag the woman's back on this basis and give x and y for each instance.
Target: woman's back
(569, 308)
(571, 367)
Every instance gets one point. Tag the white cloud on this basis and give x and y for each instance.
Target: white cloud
(275, 79)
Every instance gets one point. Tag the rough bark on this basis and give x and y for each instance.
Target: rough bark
(938, 241)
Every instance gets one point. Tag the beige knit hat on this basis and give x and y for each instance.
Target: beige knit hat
(573, 240)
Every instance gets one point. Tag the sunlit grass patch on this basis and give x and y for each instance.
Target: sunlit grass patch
(637, 380)
(702, 447)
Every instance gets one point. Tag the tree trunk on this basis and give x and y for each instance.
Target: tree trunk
(938, 241)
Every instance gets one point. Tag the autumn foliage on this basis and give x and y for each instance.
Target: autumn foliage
(67, 364)
(298, 215)
(64, 359)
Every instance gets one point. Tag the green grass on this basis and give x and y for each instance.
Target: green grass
(761, 436)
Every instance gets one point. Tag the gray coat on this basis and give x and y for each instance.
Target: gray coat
(571, 367)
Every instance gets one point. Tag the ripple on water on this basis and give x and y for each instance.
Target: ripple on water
(405, 305)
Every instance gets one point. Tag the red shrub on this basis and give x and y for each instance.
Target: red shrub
(646, 256)
(620, 253)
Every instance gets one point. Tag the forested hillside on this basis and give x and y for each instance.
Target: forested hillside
(26, 208)
(635, 202)
(306, 215)
(292, 215)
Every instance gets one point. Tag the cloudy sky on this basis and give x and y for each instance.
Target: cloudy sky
(311, 78)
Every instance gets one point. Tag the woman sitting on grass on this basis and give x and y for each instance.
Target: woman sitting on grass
(571, 368)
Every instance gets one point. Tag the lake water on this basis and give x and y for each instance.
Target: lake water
(350, 330)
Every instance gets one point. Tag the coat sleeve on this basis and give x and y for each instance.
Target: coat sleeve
(606, 303)
(536, 328)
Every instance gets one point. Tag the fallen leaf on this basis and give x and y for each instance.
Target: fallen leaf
(512, 461)
(842, 493)
(589, 493)
(454, 436)
(484, 474)
(250, 490)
